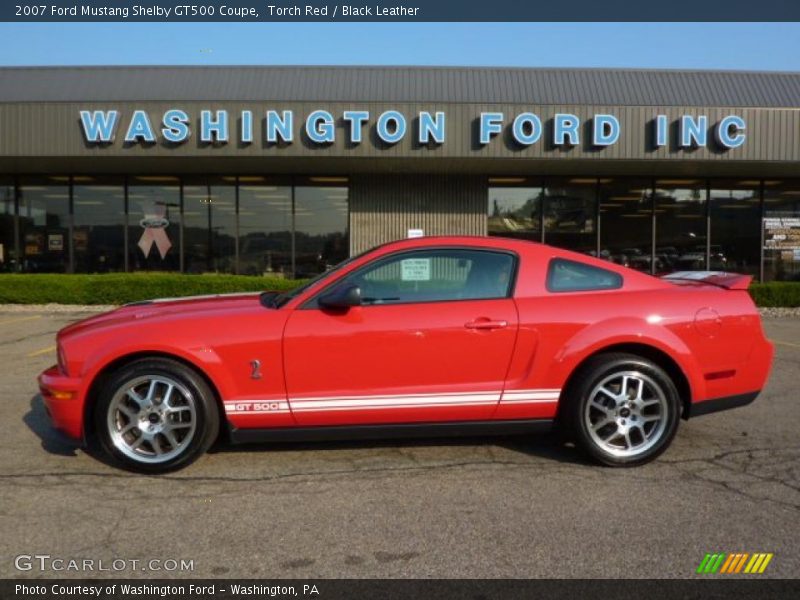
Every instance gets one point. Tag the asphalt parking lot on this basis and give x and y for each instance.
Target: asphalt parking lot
(489, 507)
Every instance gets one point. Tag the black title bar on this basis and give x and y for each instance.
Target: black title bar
(742, 588)
(277, 11)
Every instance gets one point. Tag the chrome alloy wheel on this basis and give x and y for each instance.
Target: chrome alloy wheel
(152, 419)
(626, 414)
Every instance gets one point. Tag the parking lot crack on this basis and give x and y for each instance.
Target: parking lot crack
(757, 469)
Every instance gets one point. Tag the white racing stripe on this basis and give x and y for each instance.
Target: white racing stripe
(530, 396)
(389, 401)
(494, 394)
(399, 406)
(340, 403)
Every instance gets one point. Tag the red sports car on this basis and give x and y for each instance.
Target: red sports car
(436, 335)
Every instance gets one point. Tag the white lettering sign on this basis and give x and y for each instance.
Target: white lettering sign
(415, 269)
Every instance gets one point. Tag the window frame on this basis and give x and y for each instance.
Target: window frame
(313, 302)
(551, 268)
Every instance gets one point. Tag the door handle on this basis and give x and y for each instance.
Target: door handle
(484, 323)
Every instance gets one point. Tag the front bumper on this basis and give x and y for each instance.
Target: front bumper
(63, 401)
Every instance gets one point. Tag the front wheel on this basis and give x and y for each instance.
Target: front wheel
(623, 409)
(156, 415)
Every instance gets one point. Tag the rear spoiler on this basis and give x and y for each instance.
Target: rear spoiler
(729, 281)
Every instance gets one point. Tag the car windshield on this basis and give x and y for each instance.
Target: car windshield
(281, 299)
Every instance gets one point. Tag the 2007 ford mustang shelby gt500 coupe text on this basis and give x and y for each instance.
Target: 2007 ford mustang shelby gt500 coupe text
(448, 335)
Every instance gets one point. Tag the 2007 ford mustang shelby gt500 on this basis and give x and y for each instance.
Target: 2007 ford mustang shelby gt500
(448, 335)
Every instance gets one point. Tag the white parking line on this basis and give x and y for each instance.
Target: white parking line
(781, 343)
(42, 351)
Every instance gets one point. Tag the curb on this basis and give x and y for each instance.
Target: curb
(55, 308)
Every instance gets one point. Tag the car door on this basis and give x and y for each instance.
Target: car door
(432, 341)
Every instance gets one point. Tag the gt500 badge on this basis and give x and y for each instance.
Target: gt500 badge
(256, 406)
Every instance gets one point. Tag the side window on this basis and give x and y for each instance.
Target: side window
(571, 276)
(435, 276)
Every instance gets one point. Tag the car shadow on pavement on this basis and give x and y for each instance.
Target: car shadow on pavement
(549, 446)
(52, 440)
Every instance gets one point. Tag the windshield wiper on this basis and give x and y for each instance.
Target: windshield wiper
(370, 300)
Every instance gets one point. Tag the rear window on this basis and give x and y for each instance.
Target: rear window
(571, 276)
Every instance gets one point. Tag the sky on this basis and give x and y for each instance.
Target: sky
(742, 46)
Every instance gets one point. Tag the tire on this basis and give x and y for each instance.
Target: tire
(619, 430)
(155, 415)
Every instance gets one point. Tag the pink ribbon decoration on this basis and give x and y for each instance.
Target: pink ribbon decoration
(154, 225)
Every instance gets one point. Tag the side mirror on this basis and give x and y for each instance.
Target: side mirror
(341, 297)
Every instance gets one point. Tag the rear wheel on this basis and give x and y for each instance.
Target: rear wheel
(156, 415)
(623, 409)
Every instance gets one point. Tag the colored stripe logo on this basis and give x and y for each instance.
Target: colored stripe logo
(736, 562)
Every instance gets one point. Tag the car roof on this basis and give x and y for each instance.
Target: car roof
(533, 250)
(463, 240)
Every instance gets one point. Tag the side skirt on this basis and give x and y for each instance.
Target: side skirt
(390, 431)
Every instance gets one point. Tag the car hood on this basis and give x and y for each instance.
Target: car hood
(166, 308)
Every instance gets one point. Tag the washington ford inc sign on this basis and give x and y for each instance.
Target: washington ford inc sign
(175, 127)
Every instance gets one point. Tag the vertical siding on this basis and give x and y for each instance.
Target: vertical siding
(384, 207)
(401, 84)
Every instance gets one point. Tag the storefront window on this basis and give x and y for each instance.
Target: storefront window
(782, 231)
(44, 224)
(265, 227)
(154, 212)
(569, 214)
(303, 230)
(680, 207)
(515, 211)
(8, 256)
(98, 232)
(209, 225)
(735, 222)
(321, 226)
(626, 222)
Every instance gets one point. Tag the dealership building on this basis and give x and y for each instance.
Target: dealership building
(288, 170)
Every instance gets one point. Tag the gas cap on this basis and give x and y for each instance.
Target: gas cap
(707, 322)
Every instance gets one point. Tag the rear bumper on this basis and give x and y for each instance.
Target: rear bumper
(737, 384)
(717, 404)
(63, 401)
